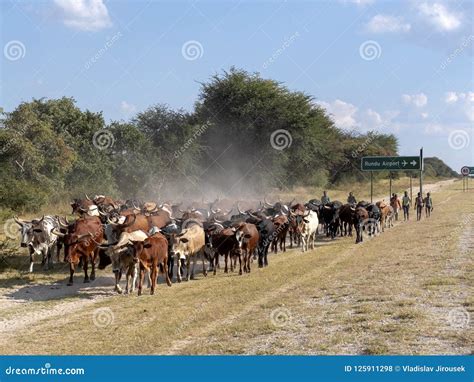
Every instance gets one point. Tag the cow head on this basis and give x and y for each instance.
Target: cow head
(179, 244)
(124, 251)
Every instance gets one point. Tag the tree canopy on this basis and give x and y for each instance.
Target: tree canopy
(245, 132)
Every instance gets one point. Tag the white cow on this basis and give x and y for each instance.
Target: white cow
(308, 228)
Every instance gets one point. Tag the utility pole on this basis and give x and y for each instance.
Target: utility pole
(421, 171)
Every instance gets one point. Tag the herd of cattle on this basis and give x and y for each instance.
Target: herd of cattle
(138, 238)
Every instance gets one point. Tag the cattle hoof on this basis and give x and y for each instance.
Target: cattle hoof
(205, 274)
(179, 280)
(240, 272)
(86, 281)
(92, 277)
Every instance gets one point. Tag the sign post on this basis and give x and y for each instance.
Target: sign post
(421, 171)
(466, 171)
(392, 163)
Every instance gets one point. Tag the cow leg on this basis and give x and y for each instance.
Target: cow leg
(31, 259)
(249, 257)
(95, 255)
(240, 262)
(204, 270)
(85, 266)
(154, 274)
(127, 278)
(141, 278)
(291, 239)
(188, 266)
(170, 266)
(71, 273)
(118, 277)
(165, 271)
(178, 267)
(226, 258)
(195, 255)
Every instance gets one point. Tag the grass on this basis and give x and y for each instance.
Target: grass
(390, 295)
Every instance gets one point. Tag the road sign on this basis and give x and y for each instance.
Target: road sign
(466, 170)
(390, 163)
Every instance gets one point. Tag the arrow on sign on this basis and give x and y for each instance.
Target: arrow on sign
(413, 163)
(404, 163)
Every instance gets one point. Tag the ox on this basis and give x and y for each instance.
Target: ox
(307, 228)
(190, 243)
(82, 243)
(151, 253)
(37, 235)
(247, 237)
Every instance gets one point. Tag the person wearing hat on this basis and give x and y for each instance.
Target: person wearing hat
(428, 205)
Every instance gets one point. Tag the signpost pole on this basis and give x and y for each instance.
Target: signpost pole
(421, 171)
(411, 187)
(390, 193)
(371, 186)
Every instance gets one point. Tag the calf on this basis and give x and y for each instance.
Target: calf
(151, 253)
(359, 217)
(247, 237)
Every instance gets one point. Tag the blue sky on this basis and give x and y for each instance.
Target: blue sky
(390, 66)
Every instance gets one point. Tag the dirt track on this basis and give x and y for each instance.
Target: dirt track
(32, 305)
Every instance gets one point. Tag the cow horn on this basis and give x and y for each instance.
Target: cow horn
(61, 223)
(19, 221)
(217, 221)
(39, 221)
(58, 233)
(135, 206)
(92, 238)
(125, 225)
(103, 213)
(265, 201)
(352, 208)
(87, 197)
(238, 209)
(111, 222)
(182, 211)
(214, 211)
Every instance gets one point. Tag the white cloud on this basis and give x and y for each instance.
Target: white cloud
(358, 2)
(418, 100)
(386, 23)
(463, 101)
(439, 16)
(348, 116)
(342, 112)
(451, 97)
(86, 15)
(127, 108)
(424, 115)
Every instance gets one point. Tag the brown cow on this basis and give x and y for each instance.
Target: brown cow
(222, 241)
(151, 253)
(281, 225)
(385, 211)
(83, 244)
(247, 237)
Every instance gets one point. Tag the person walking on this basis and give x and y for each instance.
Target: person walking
(406, 201)
(428, 205)
(325, 198)
(419, 206)
(351, 199)
(396, 205)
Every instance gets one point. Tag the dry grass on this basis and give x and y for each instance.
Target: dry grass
(390, 295)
